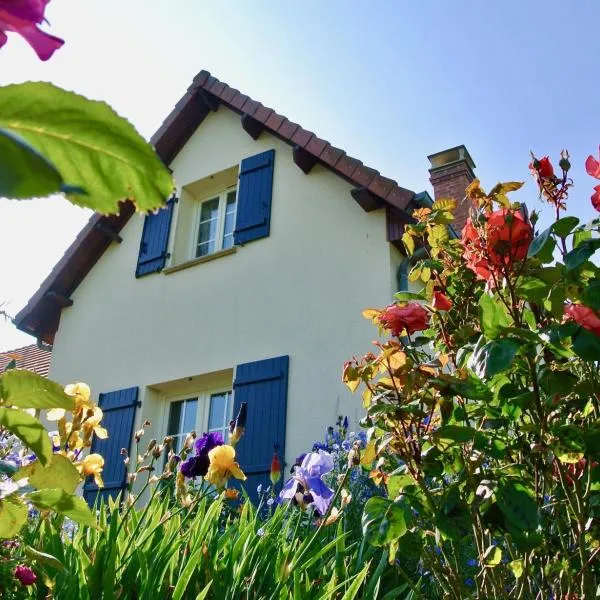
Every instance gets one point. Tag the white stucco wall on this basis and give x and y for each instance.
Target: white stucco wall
(299, 292)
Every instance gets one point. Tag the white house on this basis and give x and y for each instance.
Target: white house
(247, 287)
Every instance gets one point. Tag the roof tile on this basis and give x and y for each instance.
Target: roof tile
(238, 100)
(316, 145)
(364, 175)
(287, 129)
(251, 107)
(30, 358)
(274, 121)
(382, 186)
(302, 137)
(347, 165)
(263, 113)
(331, 155)
(228, 94)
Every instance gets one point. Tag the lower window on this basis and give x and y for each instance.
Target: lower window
(206, 412)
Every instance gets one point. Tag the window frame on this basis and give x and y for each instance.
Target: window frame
(221, 211)
(203, 407)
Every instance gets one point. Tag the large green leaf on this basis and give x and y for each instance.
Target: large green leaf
(24, 172)
(564, 226)
(581, 253)
(446, 436)
(591, 295)
(493, 315)
(58, 473)
(586, 344)
(539, 242)
(517, 503)
(91, 146)
(66, 504)
(13, 514)
(494, 357)
(470, 387)
(29, 430)
(384, 521)
(28, 390)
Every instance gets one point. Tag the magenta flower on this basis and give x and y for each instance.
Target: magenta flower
(306, 486)
(25, 575)
(197, 466)
(23, 17)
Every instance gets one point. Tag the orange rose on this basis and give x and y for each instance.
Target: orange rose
(584, 316)
(409, 317)
(502, 239)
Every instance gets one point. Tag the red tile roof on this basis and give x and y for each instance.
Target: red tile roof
(41, 315)
(30, 357)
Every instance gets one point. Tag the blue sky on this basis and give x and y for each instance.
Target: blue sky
(389, 82)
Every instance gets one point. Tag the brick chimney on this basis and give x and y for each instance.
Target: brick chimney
(450, 173)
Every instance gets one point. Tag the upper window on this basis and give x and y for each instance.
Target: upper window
(216, 222)
(209, 412)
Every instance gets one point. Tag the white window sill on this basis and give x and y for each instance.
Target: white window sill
(200, 260)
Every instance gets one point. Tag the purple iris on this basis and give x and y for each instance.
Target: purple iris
(197, 466)
(307, 481)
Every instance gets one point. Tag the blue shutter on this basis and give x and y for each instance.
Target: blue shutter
(119, 415)
(263, 385)
(255, 190)
(155, 239)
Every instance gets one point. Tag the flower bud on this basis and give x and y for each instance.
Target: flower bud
(151, 446)
(157, 451)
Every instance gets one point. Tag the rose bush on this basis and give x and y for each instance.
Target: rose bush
(485, 429)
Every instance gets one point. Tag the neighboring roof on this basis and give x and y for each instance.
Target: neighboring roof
(33, 358)
(41, 315)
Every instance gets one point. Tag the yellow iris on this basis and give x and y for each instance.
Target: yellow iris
(93, 464)
(92, 424)
(82, 394)
(223, 466)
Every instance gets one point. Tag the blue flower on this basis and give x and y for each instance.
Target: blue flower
(472, 562)
(307, 481)
(346, 445)
(469, 582)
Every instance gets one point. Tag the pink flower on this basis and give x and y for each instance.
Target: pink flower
(592, 166)
(410, 317)
(22, 17)
(596, 198)
(25, 575)
(584, 316)
(441, 301)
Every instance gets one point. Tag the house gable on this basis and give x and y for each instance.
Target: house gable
(205, 96)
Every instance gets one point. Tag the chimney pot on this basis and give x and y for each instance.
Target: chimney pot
(451, 171)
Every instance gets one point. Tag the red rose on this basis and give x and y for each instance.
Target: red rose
(543, 167)
(410, 317)
(25, 575)
(502, 239)
(584, 316)
(441, 301)
(592, 167)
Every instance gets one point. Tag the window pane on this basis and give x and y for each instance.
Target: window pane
(207, 231)
(174, 418)
(229, 224)
(209, 210)
(189, 419)
(218, 403)
(204, 249)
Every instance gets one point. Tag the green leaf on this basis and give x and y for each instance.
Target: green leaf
(493, 315)
(581, 253)
(410, 545)
(29, 430)
(13, 515)
(24, 172)
(408, 296)
(494, 357)
(28, 390)
(539, 242)
(409, 243)
(591, 295)
(58, 473)
(91, 146)
(448, 435)
(43, 558)
(384, 521)
(396, 483)
(532, 289)
(471, 387)
(69, 505)
(586, 344)
(557, 382)
(517, 503)
(564, 226)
